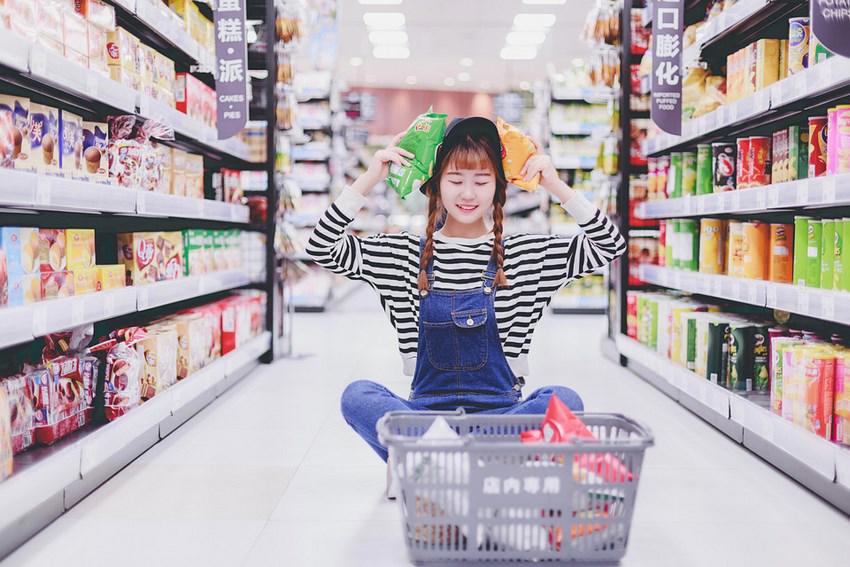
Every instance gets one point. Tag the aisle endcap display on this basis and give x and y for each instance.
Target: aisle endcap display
(47, 473)
(813, 192)
(814, 461)
(832, 75)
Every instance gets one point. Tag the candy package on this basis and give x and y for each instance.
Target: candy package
(516, 149)
(422, 139)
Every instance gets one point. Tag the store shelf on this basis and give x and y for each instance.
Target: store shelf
(162, 21)
(162, 205)
(827, 79)
(816, 463)
(576, 162)
(578, 129)
(827, 305)
(585, 94)
(50, 480)
(818, 192)
(163, 293)
(730, 19)
(579, 305)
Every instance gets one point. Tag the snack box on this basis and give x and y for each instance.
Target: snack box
(22, 249)
(15, 111)
(169, 255)
(75, 37)
(159, 358)
(71, 155)
(62, 393)
(79, 252)
(95, 156)
(85, 281)
(196, 257)
(122, 55)
(52, 250)
(194, 176)
(55, 285)
(97, 12)
(110, 277)
(191, 345)
(44, 141)
(96, 41)
(19, 398)
(137, 252)
(24, 289)
(48, 22)
(122, 380)
(178, 172)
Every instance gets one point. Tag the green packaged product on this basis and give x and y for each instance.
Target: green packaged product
(717, 352)
(670, 244)
(798, 152)
(813, 249)
(801, 238)
(761, 359)
(689, 173)
(194, 251)
(689, 244)
(845, 255)
(704, 170)
(827, 249)
(837, 252)
(652, 323)
(777, 350)
(741, 357)
(674, 176)
(689, 335)
(421, 139)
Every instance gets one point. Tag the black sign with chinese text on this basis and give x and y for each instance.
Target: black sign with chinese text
(830, 24)
(231, 52)
(667, 23)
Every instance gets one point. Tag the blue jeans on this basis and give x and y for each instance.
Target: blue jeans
(364, 403)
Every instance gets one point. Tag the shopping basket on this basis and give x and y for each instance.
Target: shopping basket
(486, 496)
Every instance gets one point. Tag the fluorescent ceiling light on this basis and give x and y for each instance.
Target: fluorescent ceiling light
(388, 37)
(449, 81)
(463, 76)
(533, 2)
(391, 52)
(356, 61)
(411, 80)
(380, 2)
(384, 20)
(518, 52)
(467, 62)
(526, 37)
(534, 21)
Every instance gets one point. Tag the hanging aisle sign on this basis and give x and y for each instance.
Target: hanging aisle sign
(231, 52)
(666, 92)
(830, 24)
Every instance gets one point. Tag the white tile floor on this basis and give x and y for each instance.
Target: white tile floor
(271, 475)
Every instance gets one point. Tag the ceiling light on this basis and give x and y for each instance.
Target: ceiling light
(533, 21)
(533, 2)
(356, 61)
(388, 37)
(391, 52)
(525, 37)
(525, 85)
(463, 76)
(384, 20)
(466, 62)
(380, 2)
(449, 82)
(518, 52)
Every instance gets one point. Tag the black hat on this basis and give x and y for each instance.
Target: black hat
(475, 126)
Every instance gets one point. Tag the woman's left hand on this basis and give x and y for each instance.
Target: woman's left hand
(541, 163)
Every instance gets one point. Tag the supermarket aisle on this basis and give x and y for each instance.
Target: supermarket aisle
(271, 475)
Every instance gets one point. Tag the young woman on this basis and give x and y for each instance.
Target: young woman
(464, 302)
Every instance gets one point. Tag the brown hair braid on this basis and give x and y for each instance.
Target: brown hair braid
(469, 153)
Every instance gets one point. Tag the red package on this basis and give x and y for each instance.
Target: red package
(123, 380)
(62, 393)
(19, 397)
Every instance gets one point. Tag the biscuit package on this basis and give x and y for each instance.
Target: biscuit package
(137, 251)
(158, 352)
(19, 398)
(516, 149)
(95, 145)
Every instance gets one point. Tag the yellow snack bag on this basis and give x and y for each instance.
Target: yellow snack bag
(516, 149)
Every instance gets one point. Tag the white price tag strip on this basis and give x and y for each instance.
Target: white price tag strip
(761, 198)
(92, 84)
(736, 290)
(752, 293)
(827, 306)
(736, 200)
(108, 305)
(802, 193)
(828, 195)
(142, 203)
(39, 320)
(143, 298)
(771, 296)
(43, 190)
(803, 302)
(78, 312)
(773, 197)
(716, 287)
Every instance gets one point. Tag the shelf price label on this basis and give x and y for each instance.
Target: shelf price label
(736, 200)
(39, 320)
(761, 198)
(716, 287)
(802, 302)
(772, 197)
(827, 306)
(752, 293)
(78, 312)
(771, 296)
(828, 194)
(42, 191)
(802, 193)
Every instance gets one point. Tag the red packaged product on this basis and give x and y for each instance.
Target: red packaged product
(62, 393)
(122, 383)
(662, 243)
(759, 161)
(743, 168)
(631, 315)
(19, 396)
(817, 145)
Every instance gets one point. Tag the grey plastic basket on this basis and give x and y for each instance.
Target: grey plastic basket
(489, 497)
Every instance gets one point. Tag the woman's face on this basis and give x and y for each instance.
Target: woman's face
(467, 194)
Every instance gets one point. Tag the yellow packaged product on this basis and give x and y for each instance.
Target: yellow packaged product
(516, 149)
(735, 249)
(110, 277)
(85, 280)
(159, 354)
(767, 62)
(79, 248)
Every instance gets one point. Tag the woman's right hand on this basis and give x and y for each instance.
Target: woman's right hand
(380, 165)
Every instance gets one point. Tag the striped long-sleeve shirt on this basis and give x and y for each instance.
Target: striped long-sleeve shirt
(537, 266)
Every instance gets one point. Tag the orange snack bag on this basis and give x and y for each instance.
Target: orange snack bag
(516, 149)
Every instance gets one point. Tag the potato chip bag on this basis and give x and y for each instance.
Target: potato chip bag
(516, 149)
(422, 138)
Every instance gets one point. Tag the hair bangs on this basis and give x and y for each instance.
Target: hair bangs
(470, 154)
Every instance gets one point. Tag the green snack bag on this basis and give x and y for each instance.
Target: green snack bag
(421, 139)
(801, 243)
(813, 252)
(844, 283)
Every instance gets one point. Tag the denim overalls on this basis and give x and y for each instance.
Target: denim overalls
(460, 361)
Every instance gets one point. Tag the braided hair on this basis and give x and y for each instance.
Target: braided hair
(468, 153)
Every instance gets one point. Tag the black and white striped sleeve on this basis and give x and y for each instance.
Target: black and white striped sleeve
(597, 245)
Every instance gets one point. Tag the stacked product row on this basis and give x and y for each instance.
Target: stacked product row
(811, 252)
(76, 382)
(47, 263)
(791, 153)
(806, 376)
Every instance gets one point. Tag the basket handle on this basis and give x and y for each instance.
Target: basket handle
(383, 429)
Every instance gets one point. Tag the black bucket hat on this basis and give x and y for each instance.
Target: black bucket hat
(475, 126)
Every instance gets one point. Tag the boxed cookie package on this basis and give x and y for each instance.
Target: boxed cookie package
(44, 141)
(158, 351)
(137, 252)
(95, 157)
(79, 251)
